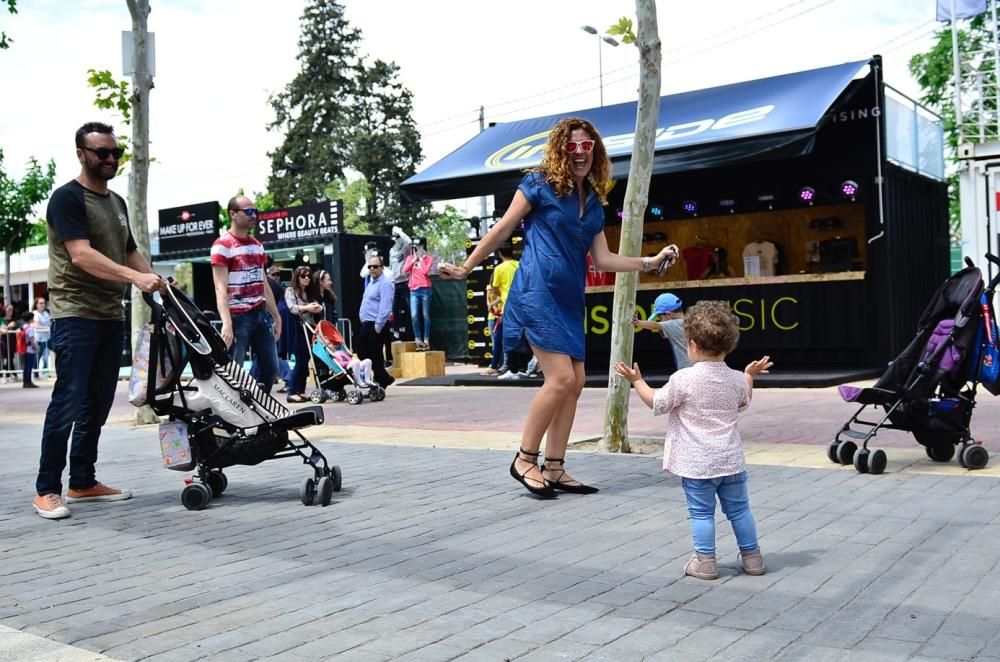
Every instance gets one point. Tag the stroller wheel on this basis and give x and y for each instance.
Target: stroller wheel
(339, 396)
(974, 456)
(861, 460)
(196, 496)
(336, 477)
(354, 397)
(324, 488)
(317, 396)
(379, 393)
(845, 451)
(217, 482)
(940, 452)
(831, 451)
(877, 461)
(307, 491)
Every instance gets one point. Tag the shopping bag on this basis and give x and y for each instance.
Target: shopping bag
(175, 446)
(139, 378)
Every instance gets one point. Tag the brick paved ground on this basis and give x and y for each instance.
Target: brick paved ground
(436, 554)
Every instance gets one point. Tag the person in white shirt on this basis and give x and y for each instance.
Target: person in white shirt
(702, 444)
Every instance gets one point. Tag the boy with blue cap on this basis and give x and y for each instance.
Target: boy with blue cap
(668, 319)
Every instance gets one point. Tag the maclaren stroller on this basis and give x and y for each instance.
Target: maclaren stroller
(220, 413)
(332, 379)
(930, 389)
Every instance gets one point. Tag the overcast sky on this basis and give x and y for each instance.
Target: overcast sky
(218, 60)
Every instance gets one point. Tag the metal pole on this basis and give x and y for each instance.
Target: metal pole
(996, 66)
(482, 199)
(956, 64)
(600, 68)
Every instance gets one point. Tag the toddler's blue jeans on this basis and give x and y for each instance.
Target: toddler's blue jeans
(735, 500)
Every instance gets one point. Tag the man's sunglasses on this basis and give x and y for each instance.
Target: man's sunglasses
(573, 146)
(249, 211)
(374, 266)
(103, 152)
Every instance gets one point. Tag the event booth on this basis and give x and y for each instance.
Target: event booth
(309, 234)
(813, 202)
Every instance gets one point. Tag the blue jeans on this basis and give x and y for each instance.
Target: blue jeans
(497, 333)
(420, 312)
(43, 355)
(29, 365)
(89, 354)
(735, 500)
(256, 329)
(300, 374)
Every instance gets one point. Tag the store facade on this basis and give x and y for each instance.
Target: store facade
(310, 235)
(814, 203)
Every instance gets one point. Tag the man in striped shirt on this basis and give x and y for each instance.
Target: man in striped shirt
(245, 302)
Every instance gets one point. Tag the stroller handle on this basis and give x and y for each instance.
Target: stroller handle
(996, 279)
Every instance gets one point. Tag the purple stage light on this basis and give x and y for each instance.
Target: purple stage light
(849, 189)
(807, 194)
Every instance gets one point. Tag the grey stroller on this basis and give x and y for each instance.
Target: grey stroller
(220, 417)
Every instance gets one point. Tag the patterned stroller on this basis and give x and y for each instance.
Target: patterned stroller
(331, 378)
(220, 417)
(930, 389)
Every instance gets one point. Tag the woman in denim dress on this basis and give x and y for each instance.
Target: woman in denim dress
(562, 206)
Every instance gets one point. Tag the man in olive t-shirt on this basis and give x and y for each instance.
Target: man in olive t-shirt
(92, 259)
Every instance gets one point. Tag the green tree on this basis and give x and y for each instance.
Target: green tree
(446, 232)
(353, 193)
(17, 200)
(5, 41)
(385, 143)
(114, 95)
(934, 72)
(314, 110)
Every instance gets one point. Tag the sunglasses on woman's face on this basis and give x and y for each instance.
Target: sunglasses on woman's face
(574, 146)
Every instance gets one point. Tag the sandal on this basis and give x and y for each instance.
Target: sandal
(295, 397)
(545, 491)
(575, 487)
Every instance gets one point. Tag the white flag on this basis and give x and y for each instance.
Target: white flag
(963, 8)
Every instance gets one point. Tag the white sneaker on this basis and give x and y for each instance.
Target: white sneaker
(50, 506)
(509, 376)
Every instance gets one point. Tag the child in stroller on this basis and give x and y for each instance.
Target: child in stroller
(338, 375)
(220, 417)
(930, 389)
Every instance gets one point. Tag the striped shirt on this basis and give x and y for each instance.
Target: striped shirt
(245, 260)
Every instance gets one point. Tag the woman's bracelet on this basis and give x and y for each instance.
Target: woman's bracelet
(645, 264)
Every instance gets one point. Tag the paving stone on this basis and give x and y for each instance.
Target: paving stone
(405, 566)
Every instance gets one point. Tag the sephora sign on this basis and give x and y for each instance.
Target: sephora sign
(305, 222)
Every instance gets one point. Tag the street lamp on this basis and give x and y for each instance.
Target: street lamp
(611, 41)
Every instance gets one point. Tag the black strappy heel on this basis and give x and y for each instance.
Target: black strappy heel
(579, 488)
(545, 492)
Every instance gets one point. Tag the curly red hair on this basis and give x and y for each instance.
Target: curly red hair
(555, 159)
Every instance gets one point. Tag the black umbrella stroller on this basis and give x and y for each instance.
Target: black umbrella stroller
(221, 413)
(930, 389)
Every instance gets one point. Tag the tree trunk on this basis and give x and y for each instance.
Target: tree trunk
(615, 437)
(138, 181)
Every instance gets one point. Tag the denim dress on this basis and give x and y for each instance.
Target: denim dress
(545, 306)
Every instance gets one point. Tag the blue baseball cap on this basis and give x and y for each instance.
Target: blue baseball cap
(666, 303)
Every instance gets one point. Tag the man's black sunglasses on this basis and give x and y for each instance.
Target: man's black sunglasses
(103, 152)
(374, 266)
